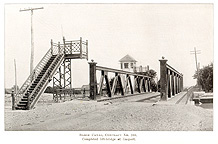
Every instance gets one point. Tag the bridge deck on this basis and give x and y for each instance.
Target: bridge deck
(134, 97)
(177, 99)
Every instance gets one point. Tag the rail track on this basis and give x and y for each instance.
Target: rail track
(186, 98)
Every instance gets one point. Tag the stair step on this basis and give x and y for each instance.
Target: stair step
(36, 86)
(26, 94)
(20, 108)
(23, 102)
(32, 87)
(38, 78)
(21, 105)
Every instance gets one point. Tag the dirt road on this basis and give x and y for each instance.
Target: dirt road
(125, 114)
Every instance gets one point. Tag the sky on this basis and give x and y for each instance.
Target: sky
(145, 31)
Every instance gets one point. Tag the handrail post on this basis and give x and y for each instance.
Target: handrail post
(81, 47)
(28, 101)
(13, 100)
(59, 48)
(51, 47)
(87, 49)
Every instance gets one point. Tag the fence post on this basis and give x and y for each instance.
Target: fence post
(92, 80)
(13, 100)
(163, 79)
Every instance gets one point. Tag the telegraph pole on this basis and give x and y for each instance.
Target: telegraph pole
(195, 52)
(32, 41)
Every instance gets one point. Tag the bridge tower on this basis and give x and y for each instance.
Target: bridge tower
(127, 63)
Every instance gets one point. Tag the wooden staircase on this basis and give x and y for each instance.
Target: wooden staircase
(39, 78)
(32, 94)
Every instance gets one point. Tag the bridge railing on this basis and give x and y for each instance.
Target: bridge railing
(140, 84)
(171, 81)
(76, 47)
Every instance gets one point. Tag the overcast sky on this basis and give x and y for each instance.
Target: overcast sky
(145, 31)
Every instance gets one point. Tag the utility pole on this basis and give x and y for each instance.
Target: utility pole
(15, 76)
(32, 41)
(195, 52)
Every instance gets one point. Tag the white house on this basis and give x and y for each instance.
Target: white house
(127, 63)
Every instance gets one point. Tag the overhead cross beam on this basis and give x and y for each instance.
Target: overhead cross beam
(195, 52)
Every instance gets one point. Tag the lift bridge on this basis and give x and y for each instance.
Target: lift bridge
(56, 66)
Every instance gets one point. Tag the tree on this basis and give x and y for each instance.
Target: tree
(151, 73)
(205, 77)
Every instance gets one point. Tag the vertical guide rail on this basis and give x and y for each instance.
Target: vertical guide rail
(171, 81)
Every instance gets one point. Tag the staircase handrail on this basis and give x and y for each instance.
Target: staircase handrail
(42, 78)
(36, 71)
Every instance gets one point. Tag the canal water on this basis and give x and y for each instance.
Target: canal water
(206, 105)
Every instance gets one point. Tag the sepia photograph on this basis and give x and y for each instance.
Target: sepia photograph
(103, 69)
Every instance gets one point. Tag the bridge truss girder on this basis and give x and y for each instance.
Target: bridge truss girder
(171, 81)
(141, 82)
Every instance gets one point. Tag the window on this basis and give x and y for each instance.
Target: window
(131, 65)
(121, 66)
(126, 65)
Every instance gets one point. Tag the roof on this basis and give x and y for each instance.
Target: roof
(127, 58)
(85, 87)
(8, 91)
